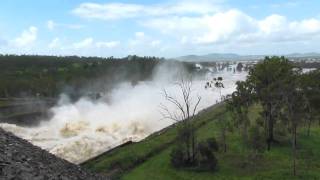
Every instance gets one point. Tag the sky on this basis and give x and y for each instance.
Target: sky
(159, 28)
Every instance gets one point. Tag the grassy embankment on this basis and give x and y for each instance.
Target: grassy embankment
(150, 158)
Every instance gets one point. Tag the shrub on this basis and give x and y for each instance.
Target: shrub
(213, 144)
(281, 130)
(206, 157)
(177, 157)
(256, 138)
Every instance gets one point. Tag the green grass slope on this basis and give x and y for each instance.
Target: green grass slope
(124, 158)
(150, 158)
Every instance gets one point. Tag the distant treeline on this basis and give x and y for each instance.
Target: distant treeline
(49, 76)
(306, 64)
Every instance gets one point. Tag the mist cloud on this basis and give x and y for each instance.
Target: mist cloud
(78, 131)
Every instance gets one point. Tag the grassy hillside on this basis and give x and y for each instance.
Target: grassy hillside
(125, 158)
(150, 159)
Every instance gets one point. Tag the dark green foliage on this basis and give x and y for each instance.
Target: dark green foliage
(239, 67)
(177, 157)
(238, 162)
(257, 139)
(310, 84)
(185, 152)
(213, 144)
(49, 76)
(239, 104)
(267, 80)
(289, 99)
(206, 157)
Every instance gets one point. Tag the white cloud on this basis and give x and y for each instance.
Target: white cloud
(108, 44)
(73, 26)
(55, 43)
(289, 4)
(234, 26)
(199, 24)
(89, 43)
(51, 25)
(86, 43)
(143, 44)
(112, 11)
(272, 24)
(107, 11)
(225, 26)
(155, 43)
(139, 34)
(3, 42)
(27, 37)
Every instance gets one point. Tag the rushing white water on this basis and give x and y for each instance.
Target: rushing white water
(86, 128)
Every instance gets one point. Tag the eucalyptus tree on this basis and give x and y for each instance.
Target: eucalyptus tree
(225, 125)
(266, 79)
(239, 104)
(296, 106)
(310, 85)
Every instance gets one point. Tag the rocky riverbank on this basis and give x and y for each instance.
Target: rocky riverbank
(19, 159)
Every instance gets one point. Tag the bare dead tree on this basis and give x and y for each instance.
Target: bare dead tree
(184, 111)
(187, 107)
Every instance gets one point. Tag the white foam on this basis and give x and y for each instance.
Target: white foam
(86, 128)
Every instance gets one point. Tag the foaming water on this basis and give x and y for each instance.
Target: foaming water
(79, 131)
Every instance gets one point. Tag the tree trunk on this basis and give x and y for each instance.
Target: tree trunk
(224, 140)
(309, 126)
(188, 145)
(245, 133)
(6, 94)
(270, 127)
(294, 145)
(266, 123)
(193, 144)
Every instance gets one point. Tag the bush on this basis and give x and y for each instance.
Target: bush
(256, 139)
(213, 144)
(177, 157)
(281, 130)
(206, 158)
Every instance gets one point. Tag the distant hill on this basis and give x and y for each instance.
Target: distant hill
(303, 55)
(237, 57)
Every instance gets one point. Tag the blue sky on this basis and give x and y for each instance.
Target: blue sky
(158, 28)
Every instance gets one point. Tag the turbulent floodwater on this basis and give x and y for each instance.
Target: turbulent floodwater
(87, 128)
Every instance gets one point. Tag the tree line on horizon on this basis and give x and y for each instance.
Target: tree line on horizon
(49, 76)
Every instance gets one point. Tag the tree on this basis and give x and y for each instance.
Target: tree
(184, 112)
(267, 79)
(296, 106)
(225, 126)
(218, 84)
(310, 86)
(239, 67)
(239, 103)
(206, 157)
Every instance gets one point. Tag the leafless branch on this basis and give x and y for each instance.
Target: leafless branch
(185, 107)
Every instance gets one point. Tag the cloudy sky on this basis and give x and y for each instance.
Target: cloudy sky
(158, 28)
